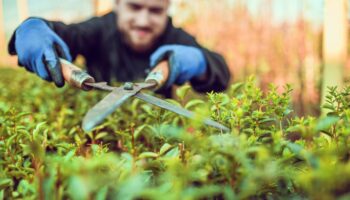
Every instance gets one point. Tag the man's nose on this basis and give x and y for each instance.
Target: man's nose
(143, 18)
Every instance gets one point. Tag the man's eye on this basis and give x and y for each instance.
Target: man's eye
(135, 7)
(156, 10)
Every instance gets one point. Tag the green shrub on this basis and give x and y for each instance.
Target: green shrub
(144, 152)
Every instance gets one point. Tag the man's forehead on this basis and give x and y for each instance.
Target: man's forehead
(149, 3)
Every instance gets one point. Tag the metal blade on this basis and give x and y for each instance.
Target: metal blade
(112, 101)
(176, 109)
(105, 86)
(105, 107)
(101, 86)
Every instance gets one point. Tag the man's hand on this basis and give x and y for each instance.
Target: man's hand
(185, 62)
(38, 49)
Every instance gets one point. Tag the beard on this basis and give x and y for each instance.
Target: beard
(139, 39)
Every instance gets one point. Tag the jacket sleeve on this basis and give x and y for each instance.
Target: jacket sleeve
(217, 75)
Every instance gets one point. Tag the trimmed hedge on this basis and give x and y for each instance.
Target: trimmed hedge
(144, 152)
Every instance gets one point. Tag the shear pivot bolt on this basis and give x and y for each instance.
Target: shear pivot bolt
(128, 86)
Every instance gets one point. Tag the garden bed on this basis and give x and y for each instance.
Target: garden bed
(144, 152)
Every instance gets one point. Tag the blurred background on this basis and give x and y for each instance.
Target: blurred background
(300, 42)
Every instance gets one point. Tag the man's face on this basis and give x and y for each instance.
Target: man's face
(141, 21)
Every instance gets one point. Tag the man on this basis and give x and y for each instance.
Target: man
(123, 45)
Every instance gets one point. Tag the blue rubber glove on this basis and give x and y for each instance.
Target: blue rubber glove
(185, 62)
(38, 49)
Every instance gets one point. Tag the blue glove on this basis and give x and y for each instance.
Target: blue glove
(38, 49)
(185, 62)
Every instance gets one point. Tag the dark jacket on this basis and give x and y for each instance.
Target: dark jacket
(108, 58)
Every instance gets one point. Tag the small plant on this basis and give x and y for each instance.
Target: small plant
(144, 152)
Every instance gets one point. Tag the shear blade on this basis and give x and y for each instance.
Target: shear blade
(176, 109)
(105, 107)
(118, 96)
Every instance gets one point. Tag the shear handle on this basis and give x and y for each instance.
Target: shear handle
(159, 75)
(75, 76)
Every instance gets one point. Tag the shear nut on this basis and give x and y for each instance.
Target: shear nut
(128, 86)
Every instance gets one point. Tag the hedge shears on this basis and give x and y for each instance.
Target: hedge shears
(118, 95)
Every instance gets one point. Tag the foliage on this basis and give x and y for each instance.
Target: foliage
(144, 152)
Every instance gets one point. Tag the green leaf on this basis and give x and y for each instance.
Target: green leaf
(165, 148)
(148, 155)
(69, 155)
(182, 91)
(102, 193)
(326, 123)
(236, 87)
(9, 141)
(287, 112)
(193, 103)
(295, 128)
(267, 120)
(139, 130)
(37, 129)
(147, 108)
(5, 182)
(23, 114)
(328, 106)
(132, 187)
(101, 135)
(172, 153)
(77, 188)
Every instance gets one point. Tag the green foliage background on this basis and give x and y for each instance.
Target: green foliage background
(144, 152)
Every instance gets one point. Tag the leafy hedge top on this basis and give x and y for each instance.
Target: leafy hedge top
(142, 151)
